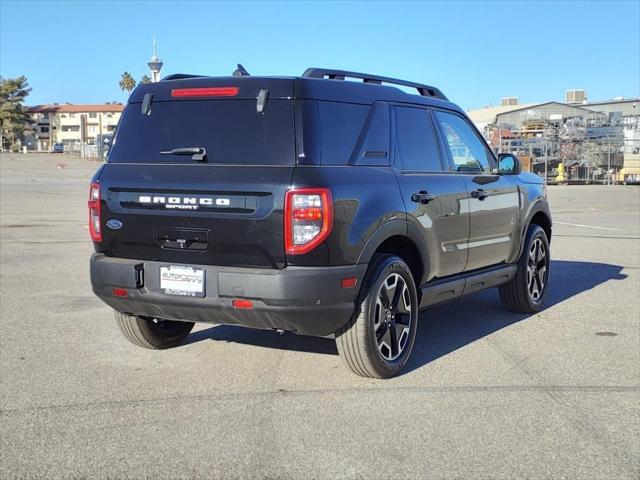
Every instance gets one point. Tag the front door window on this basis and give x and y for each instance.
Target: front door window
(468, 152)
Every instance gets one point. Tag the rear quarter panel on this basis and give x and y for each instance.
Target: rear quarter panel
(365, 198)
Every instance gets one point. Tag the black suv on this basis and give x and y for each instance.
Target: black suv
(331, 204)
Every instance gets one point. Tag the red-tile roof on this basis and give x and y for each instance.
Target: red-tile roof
(70, 108)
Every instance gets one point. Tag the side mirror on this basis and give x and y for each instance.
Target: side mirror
(508, 164)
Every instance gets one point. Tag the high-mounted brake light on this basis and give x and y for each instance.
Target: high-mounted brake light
(95, 228)
(205, 92)
(308, 219)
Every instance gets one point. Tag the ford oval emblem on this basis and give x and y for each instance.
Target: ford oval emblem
(114, 224)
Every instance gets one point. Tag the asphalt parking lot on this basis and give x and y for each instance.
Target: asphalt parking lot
(488, 394)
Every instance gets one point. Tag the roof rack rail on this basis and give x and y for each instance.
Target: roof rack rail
(424, 90)
(178, 76)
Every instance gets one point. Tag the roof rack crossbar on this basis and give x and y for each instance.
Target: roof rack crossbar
(424, 90)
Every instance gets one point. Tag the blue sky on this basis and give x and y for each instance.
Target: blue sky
(476, 52)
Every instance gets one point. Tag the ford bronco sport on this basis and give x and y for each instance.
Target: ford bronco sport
(331, 204)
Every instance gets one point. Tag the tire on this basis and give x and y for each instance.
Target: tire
(378, 341)
(526, 292)
(152, 333)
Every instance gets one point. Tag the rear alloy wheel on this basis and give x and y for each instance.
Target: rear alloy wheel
(152, 333)
(378, 340)
(525, 293)
(392, 317)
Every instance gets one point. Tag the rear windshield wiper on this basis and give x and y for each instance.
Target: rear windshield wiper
(197, 153)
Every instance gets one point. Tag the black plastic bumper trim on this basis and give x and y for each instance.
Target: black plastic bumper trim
(305, 300)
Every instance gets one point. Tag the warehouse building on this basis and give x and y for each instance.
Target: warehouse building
(590, 141)
(514, 116)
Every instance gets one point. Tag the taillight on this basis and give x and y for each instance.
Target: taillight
(94, 213)
(308, 219)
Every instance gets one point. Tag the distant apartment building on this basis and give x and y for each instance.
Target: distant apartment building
(70, 124)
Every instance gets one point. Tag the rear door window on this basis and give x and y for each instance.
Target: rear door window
(416, 144)
(231, 131)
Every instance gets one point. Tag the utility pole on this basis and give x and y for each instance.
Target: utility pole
(100, 144)
(609, 173)
(83, 134)
(546, 156)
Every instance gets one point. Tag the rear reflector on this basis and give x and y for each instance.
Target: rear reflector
(120, 292)
(349, 282)
(205, 92)
(243, 304)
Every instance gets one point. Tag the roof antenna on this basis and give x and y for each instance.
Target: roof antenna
(241, 72)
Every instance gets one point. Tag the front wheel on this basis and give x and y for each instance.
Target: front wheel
(152, 333)
(378, 340)
(525, 293)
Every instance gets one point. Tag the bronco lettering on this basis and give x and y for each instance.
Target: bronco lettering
(187, 203)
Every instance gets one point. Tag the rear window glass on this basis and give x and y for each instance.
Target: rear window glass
(231, 131)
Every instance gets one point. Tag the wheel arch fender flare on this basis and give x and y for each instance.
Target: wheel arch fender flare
(536, 208)
(398, 228)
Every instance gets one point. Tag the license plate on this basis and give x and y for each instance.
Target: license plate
(179, 280)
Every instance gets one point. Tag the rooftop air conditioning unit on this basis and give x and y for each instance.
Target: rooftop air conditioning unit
(509, 101)
(575, 96)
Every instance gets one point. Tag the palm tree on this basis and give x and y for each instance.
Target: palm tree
(127, 82)
(145, 79)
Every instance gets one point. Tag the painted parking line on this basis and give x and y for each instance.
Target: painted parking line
(586, 226)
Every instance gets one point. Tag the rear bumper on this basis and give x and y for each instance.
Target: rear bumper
(304, 300)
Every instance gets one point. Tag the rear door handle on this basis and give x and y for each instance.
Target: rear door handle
(480, 194)
(422, 197)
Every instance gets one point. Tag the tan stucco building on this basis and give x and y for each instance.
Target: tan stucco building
(69, 124)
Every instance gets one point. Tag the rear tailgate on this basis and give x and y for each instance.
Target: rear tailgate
(226, 210)
(212, 215)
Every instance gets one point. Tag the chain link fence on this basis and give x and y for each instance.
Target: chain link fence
(88, 152)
